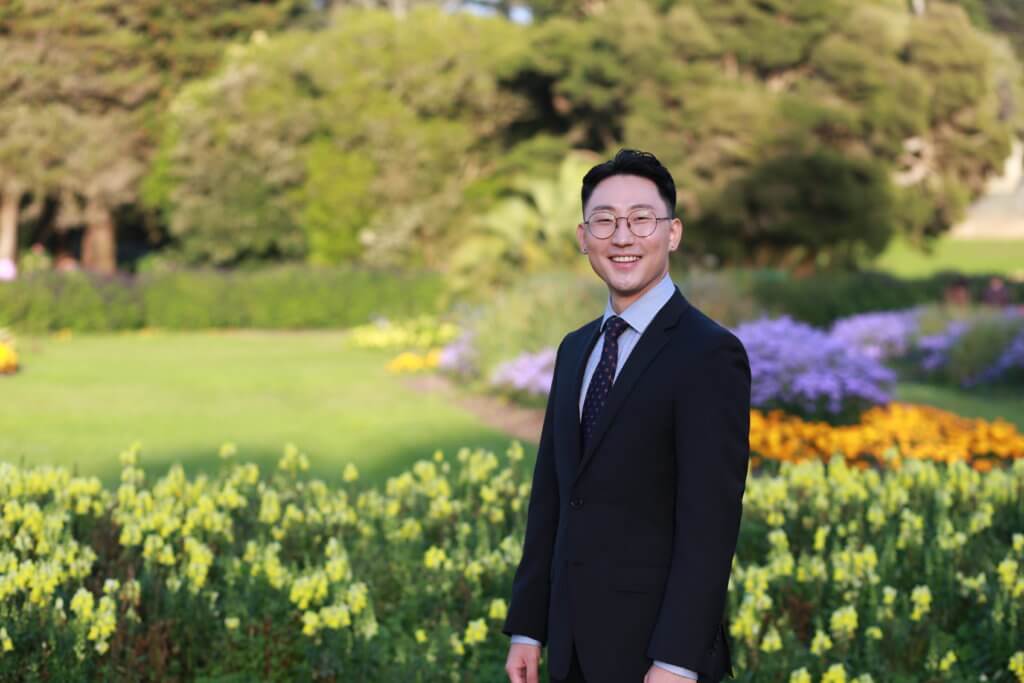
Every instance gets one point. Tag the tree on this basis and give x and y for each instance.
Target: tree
(357, 140)
(109, 66)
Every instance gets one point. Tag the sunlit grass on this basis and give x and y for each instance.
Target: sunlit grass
(81, 401)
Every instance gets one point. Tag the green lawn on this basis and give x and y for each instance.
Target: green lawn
(966, 256)
(80, 402)
(989, 404)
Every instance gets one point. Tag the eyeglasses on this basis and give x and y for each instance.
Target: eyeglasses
(641, 222)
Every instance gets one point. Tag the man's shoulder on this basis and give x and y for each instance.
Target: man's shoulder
(703, 334)
(582, 333)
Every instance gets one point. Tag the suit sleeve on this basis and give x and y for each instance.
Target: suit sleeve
(531, 587)
(712, 450)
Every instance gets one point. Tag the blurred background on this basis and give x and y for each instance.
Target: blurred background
(340, 237)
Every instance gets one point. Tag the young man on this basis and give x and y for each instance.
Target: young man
(637, 491)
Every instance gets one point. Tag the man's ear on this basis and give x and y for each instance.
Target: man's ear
(581, 232)
(675, 234)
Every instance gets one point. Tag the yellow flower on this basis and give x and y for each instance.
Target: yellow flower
(1007, 571)
(801, 675)
(357, 597)
(1016, 665)
(835, 674)
(82, 604)
(873, 632)
(5, 641)
(434, 557)
(947, 661)
(227, 450)
(350, 473)
(821, 643)
(310, 623)
(231, 623)
(498, 610)
(843, 623)
(1018, 543)
(335, 616)
(771, 642)
(421, 636)
(473, 570)
(476, 631)
(921, 598)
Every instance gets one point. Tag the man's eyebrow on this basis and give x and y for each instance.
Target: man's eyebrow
(605, 207)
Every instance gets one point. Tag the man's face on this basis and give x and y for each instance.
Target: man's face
(629, 279)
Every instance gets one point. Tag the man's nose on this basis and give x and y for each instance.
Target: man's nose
(622, 234)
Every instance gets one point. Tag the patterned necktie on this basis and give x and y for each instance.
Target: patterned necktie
(601, 382)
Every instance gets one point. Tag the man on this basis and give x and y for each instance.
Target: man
(637, 491)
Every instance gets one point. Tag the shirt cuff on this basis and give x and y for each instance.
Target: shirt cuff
(678, 670)
(525, 640)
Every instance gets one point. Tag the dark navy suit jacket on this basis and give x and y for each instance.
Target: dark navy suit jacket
(629, 545)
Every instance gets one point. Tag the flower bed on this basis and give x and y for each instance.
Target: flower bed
(278, 576)
(887, 436)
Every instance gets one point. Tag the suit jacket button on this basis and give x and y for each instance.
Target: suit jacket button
(576, 503)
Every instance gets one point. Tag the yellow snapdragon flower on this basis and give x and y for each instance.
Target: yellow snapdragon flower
(476, 632)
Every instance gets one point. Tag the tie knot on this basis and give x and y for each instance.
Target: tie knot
(615, 326)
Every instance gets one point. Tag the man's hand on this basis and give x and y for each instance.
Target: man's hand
(658, 675)
(522, 663)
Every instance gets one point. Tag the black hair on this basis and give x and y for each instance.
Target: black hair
(633, 162)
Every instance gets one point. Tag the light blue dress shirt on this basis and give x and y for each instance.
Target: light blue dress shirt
(639, 315)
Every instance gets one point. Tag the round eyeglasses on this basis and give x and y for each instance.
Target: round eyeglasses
(641, 222)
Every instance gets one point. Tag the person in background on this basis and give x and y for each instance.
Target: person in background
(996, 293)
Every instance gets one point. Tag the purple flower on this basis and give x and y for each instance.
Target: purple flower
(529, 373)
(798, 367)
(1011, 361)
(882, 336)
(459, 357)
(935, 348)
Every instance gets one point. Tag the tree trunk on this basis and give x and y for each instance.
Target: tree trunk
(99, 245)
(10, 199)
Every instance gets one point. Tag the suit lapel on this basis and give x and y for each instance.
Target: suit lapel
(590, 336)
(650, 344)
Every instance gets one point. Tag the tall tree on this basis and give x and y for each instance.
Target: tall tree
(111, 66)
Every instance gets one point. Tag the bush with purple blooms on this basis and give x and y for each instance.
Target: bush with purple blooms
(971, 351)
(882, 335)
(1009, 365)
(526, 377)
(460, 357)
(805, 371)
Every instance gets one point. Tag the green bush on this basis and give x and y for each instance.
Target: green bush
(980, 347)
(533, 314)
(823, 298)
(277, 298)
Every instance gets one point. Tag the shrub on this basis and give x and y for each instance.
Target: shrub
(286, 297)
(804, 371)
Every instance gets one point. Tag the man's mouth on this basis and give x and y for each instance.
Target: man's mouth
(624, 259)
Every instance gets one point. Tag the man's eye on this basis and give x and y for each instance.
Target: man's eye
(602, 222)
(644, 216)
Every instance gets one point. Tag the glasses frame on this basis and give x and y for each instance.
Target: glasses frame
(629, 226)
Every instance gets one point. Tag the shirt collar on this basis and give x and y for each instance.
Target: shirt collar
(641, 312)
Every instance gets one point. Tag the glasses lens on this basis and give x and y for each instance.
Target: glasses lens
(642, 222)
(602, 224)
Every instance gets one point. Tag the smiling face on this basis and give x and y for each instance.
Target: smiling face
(628, 264)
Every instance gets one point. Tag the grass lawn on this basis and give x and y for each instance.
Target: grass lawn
(966, 256)
(989, 404)
(81, 401)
